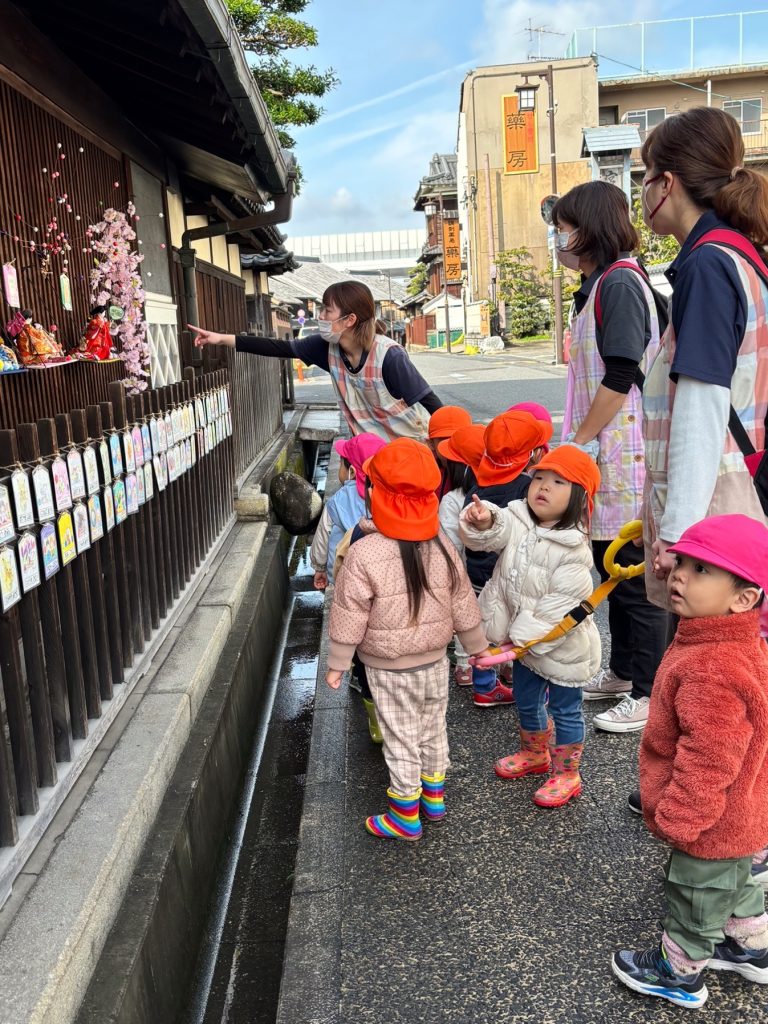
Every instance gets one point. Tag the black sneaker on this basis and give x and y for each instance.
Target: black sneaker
(650, 972)
(635, 804)
(749, 963)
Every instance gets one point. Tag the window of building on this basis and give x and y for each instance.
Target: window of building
(645, 119)
(609, 115)
(747, 112)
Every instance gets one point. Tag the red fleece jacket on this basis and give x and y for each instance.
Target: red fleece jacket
(704, 752)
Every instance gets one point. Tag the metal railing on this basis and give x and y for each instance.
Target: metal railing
(755, 142)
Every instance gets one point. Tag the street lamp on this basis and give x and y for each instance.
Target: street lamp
(526, 103)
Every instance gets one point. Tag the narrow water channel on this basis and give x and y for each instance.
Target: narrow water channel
(238, 977)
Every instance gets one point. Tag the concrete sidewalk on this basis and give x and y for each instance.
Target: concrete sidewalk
(504, 913)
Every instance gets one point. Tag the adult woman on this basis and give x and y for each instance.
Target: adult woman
(714, 354)
(378, 388)
(613, 339)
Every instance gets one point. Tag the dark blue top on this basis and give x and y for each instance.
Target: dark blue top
(401, 378)
(709, 308)
(480, 564)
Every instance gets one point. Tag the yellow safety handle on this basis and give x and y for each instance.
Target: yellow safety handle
(629, 532)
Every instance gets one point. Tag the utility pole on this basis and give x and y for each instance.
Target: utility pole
(445, 279)
(557, 273)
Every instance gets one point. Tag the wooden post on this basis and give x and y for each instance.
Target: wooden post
(156, 527)
(96, 584)
(83, 604)
(70, 630)
(128, 598)
(128, 528)
(34, 657)
(55, 662)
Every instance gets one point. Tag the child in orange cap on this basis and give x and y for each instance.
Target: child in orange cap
(543, 571)
(442, 424)
(511, 441)
(460, 453)
(401, 593)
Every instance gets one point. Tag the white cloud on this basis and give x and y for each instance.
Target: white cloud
(505, 38)
(425, 133)
(419, 83)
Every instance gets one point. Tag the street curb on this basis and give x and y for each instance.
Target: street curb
(146, 967)
(310, 987)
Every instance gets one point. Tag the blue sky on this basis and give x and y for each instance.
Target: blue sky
(401, 64)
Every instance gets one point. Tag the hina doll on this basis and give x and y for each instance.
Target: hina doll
(97, 339)
(35, 344)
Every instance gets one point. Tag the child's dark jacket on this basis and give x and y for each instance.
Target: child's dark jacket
(704, 752)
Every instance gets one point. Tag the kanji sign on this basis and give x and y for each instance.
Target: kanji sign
(451, 250)
(521, 148)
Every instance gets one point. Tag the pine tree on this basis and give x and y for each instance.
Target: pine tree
(268, 30)
(418, 279)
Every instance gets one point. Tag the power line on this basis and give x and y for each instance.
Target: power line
(659, 76)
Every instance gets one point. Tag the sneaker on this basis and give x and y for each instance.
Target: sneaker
(463, 675)
(606, 684)
(505, 672)
(500, 694)
(629, 715)
(760, 868)
(749, 963)
(650, 972)
(635, 804)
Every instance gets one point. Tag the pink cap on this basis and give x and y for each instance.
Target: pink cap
(357, 450)
(537, 411)
(735, 543)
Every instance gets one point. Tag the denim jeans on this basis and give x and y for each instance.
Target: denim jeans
(565, 705)
(483, 679)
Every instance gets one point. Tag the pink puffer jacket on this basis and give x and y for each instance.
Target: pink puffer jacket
(370, 609)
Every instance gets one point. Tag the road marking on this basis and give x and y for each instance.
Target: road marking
(460, 376)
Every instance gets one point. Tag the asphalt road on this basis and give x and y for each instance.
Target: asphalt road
(484, 385)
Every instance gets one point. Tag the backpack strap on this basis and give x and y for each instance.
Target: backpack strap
(738, 243)
(618, 265)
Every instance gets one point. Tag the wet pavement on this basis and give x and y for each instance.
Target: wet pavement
(239, 980)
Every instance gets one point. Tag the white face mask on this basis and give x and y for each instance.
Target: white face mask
(325, 328)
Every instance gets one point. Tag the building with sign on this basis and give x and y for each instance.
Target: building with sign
(505, 165)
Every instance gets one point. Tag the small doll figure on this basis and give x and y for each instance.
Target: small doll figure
(8, 360)
(97, 339)
(36, 346)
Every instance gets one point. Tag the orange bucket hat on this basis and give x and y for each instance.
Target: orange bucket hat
(510, 439)
(466, 445)
(574, 465)
(446, 419)
(404, 478)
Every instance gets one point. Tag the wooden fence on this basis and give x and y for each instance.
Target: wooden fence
(105, 514)
(37, 393)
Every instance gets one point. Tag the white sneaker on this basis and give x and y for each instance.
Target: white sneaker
(629, 715)
(606, 684)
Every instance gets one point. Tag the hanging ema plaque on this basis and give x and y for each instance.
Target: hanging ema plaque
(50, 550)
(10, 591)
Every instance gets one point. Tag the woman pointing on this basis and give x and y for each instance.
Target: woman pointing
(378, 388)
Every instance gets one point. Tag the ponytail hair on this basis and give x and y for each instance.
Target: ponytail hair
(705, 149)
(416, 578)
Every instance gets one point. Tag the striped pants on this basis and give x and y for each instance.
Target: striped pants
(411, 705)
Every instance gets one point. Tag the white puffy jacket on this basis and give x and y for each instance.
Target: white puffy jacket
(540, 575)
